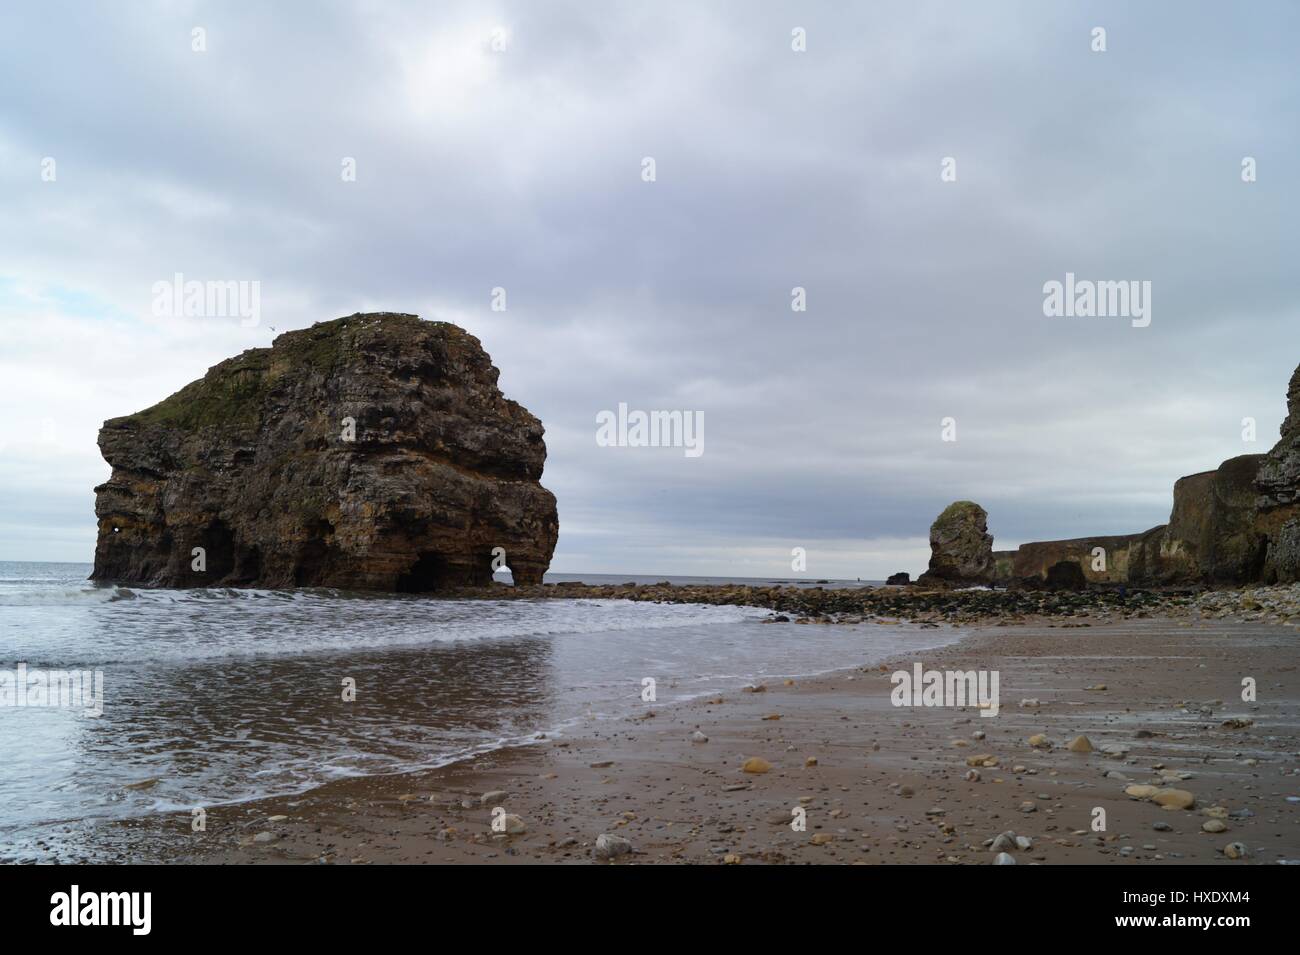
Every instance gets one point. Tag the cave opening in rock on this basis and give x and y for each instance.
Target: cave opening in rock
(315, 555)
(248, 564)
(429, 572)
(218, 543)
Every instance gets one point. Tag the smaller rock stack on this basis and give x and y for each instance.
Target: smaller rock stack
(961, 548)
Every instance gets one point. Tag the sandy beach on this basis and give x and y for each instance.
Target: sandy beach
(877, 784)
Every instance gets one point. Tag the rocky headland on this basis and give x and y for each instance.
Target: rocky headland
(1236, 525)
(372, 452)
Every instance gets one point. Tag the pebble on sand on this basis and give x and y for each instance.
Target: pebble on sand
(755, 764)
(1080, 744)
(1138, 791)
(1005, 842)
(1174, 799)
(1004, 858)
(609, 846)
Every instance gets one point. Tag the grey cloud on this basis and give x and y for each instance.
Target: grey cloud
(776, 169)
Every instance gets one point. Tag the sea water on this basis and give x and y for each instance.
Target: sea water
(217, 696)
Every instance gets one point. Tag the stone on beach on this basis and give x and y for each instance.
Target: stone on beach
(1138, 791)
(1080, 744)
(1236, 850)
(755, 764)
(1174, 799)
(609, 846)
(1004, 842)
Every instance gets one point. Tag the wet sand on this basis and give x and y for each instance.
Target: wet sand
(877, 783)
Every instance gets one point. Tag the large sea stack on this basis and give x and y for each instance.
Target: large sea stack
(373, 452)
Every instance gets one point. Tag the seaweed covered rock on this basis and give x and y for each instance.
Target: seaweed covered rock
(372, 452)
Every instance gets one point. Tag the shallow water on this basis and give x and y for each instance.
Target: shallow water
(227, 695)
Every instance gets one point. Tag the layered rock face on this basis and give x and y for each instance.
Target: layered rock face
(961, 548)
(373, 452)
(1035, 559)
(1277, 501)
(1212, 535)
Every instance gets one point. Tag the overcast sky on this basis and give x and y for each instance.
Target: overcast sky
(522, 168)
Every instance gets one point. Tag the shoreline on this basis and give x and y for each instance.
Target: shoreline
(884, 786)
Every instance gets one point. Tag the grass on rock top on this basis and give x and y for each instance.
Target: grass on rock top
(231, 393)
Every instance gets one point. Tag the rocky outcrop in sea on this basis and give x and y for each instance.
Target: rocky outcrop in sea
(372, 452)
